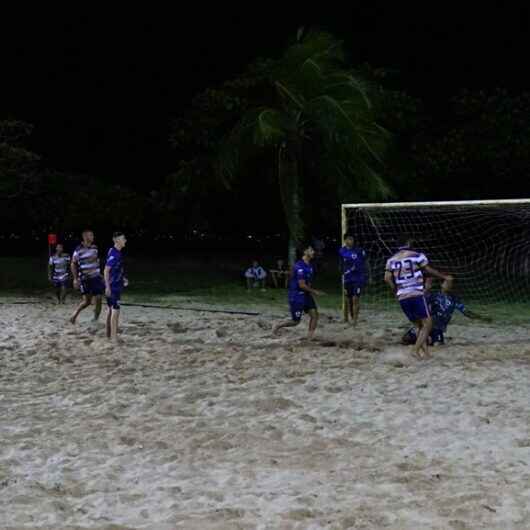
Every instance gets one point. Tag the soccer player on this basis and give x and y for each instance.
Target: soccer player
(300, 294)
(354, 278)
(405, 275)
(58, 272)
(115, 281)
(87, 275)
(442, 306)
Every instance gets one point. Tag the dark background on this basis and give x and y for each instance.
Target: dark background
(103, 87)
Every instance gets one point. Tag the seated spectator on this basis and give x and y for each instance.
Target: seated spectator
(255, 276)
(280, 274)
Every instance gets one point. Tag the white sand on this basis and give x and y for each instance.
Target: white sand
(203, 422)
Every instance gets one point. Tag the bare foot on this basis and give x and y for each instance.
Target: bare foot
(71, 320)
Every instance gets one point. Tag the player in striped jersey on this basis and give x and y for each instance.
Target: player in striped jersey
(59, 272)
(87, 275)
(405, 275)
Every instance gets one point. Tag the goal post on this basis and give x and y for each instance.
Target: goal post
(484, 244)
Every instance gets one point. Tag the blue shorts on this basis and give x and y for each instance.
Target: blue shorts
(300, 306)
(415, 308)
(60, 283)
(353, 289)
(113, 300)
(92, 286)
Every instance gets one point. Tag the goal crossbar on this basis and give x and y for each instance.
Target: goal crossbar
(434, 203)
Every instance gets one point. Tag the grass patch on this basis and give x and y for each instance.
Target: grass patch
(208, 282)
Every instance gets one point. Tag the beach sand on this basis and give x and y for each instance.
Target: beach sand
(203, 421)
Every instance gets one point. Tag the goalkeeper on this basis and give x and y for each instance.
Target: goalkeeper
(442, 306)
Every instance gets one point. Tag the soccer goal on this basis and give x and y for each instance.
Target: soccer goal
(485, 245)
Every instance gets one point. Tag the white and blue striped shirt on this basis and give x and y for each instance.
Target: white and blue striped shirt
(406, 268)
(87, 259)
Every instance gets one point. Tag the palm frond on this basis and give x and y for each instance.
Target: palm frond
(257, 129)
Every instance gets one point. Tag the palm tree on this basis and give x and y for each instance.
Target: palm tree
(316, 109)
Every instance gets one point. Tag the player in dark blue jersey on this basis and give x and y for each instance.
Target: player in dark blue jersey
(354, 275)
(442, 306)
(300, 293)
(115, 281)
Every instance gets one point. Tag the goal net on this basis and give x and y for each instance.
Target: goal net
(485, 245)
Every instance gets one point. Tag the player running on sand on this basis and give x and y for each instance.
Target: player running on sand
(300, 293)
(405, 275)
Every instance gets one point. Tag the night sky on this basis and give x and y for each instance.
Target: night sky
(102, 88)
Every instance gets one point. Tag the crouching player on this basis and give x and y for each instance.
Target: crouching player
(115, 282)
(442, 306)
(300, 294)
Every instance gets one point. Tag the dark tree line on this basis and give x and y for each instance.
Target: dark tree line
(276, 149)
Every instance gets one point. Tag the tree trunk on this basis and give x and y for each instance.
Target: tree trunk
(289, 180)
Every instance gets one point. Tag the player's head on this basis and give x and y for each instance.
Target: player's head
(348, 240)
(119, 239)
(447, 286)
(407, 242)
(59, 248)
(88, 236)
(306, 251)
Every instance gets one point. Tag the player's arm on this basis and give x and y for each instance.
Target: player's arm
(475, 316)
(304, 287)
(106, 276)
(389, 280)
(74, 270)
(433, 272)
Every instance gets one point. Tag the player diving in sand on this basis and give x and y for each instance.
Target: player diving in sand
(442, 306)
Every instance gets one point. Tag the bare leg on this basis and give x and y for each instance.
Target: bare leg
(108, 323)
(249, 284)
(63, 293)
(87, 300)
(313, 322)
(287, 324)
(274, 275)
(97, 309)
(422, 342)
(114, 321)
(58, 294)
(355, 307)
